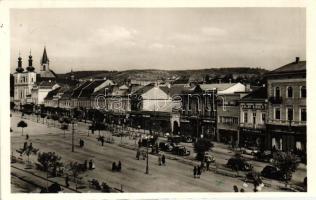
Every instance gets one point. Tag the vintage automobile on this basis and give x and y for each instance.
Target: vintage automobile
(174, 139)
(165, 146)
(265, 156)
(180, 151)
(239, 164)
(274, 173)
(186, 139)
(250, 150)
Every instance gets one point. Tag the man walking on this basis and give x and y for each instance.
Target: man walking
(163, 159)
(194, 171)
(159, 160)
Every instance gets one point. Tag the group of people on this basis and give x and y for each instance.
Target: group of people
(161, 160)
(81, 143)
(117, 168)
(197, 171)
(139, 153)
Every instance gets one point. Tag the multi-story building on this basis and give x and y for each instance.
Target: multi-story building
(228, 111)
(151, 108)
(198, 114)
(253, 115)
(286, 122)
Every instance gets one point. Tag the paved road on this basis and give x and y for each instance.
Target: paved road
(175, 177)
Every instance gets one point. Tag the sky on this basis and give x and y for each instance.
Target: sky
(158, 38)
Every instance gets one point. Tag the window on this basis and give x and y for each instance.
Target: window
(263, 117)
(277, 92)
(277, 113)
(290, 114)
(254, 118)
(303, 114)
(245, 117)
(289, 92)
(303, 92)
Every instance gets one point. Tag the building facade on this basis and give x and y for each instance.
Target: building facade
(286, 125)
(253, 116)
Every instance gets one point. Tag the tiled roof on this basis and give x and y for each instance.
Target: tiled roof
(89, 89)
(293, 67)
(178, 89)
(259, 94)
(52, 93)
(219, 86)
(76, 91)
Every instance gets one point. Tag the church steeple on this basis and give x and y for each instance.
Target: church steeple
(30, 68)
(20, 68)
(45, 61)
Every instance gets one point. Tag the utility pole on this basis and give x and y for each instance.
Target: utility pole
(72, 137)
(147, 167)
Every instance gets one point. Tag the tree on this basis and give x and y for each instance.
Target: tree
(287, 163)
(64, 127)
(201, 146)
(49, 160)
(75, 169)
(22, 124)
(27, 150)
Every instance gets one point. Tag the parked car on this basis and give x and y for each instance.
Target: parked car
(165, 146)
(180, 151)
(265, 156)
(239, 164)
(186, 139)
(249, 150)
(274, 173)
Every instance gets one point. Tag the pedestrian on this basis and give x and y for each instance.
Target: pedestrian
(119, 166)
(194, 171)
(90, 164)
(86, 165)
(199, 172)
(31, 145)
(159, 160)
(207, 165)
(82, 143)
(67, 180)
(113, 166)
(137, 154)
(163, 159)
(27, 136)
(102, 141)
(235, 188)
(93, 165)
(24, 145)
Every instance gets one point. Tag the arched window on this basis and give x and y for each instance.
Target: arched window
(303, 92)
(277, 92)
(290, 92)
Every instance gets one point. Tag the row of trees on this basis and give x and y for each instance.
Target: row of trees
(286, 162)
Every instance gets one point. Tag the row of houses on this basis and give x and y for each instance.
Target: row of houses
(271, 116)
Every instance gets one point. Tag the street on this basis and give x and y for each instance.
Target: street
(176, 176)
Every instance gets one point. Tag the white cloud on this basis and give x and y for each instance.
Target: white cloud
(113, 34)
(213, 31)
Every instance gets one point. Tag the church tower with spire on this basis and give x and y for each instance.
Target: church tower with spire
(24, 80)
(45, 72)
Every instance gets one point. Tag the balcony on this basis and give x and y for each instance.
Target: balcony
(253, 126)
(286, 122)
(275, 100)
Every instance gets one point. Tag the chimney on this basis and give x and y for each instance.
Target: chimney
(297, 59)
